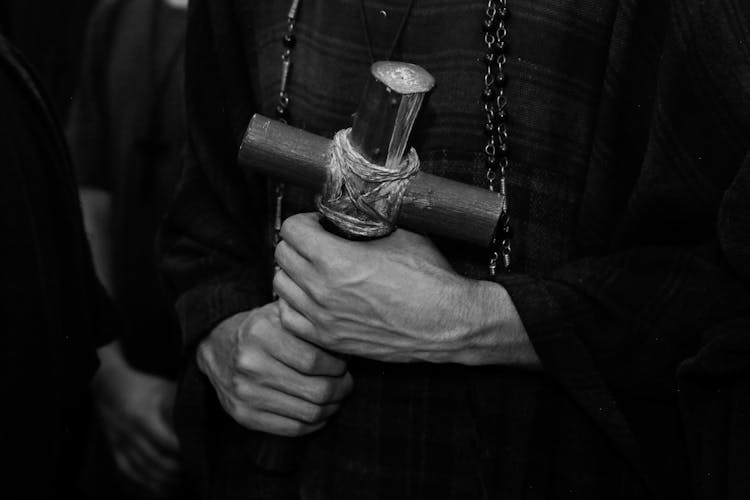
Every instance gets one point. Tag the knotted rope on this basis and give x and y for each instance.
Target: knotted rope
(361, 198)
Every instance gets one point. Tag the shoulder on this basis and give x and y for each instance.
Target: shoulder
(17, 85)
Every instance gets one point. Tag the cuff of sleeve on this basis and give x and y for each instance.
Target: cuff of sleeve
(546, 309)
(550, 331)
(200, 309)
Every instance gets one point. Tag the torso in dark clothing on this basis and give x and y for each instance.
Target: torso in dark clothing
(591, 175)
(461, 433)
(451, 432)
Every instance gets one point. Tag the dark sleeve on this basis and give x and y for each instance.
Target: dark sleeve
(52, 270)
(714, 383)
(213, 258)
(617, 327)
(87, 128)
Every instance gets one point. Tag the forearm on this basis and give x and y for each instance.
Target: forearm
(96, 206)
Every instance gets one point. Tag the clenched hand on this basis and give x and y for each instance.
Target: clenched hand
(395, 299)
(135, 411)
(269, 380)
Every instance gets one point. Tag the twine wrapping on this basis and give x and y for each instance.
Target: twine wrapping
(360, 198)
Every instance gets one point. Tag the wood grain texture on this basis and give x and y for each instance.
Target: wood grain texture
(431, 205)
(390, 84)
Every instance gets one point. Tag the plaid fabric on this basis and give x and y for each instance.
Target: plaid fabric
(629, 123)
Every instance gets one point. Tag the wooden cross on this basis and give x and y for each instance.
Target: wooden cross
(431, 204)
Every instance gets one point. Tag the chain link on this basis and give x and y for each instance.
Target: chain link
(288, 41)
(496, 147)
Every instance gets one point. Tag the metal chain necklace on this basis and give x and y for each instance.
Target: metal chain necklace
(495, 127)
(399, 32)
(495, 108)
(288, 41)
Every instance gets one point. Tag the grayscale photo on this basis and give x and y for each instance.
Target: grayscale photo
(375, 249)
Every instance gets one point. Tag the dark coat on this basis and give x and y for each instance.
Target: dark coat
(54, 312)
(50, 35)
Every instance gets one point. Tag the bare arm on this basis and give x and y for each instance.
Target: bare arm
(96, 205)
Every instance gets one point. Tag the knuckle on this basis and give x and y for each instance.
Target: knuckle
(281, 252)
(322, 393)
(246, 360)
(238, 386)
(255, 329)
(295, 428)
(250, 331)
(202, 364)
(276, 283)
(321, 293)
(247, 415)
(229, 405)
(313, 414)
(307, 360)
(289, 226)
(285, 315)
(338, 366)
(203, 354)
(277, 250)
(245, 418)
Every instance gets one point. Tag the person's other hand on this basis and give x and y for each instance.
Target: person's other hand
(269, 380)
(135, 411)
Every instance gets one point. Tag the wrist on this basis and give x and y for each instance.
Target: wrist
(492, 332)
(111, 356)
(109, 380)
